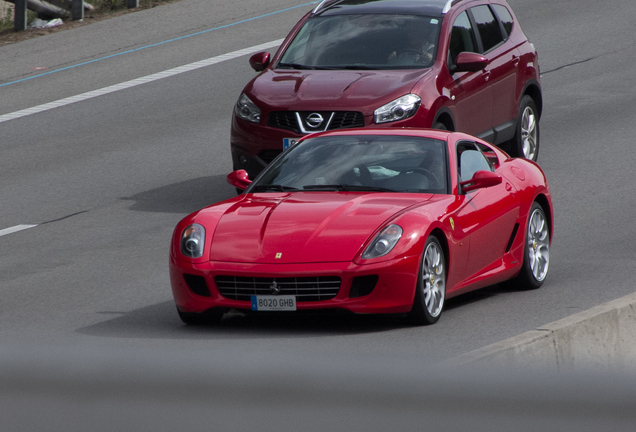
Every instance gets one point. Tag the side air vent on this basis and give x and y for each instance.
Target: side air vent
(512, 237)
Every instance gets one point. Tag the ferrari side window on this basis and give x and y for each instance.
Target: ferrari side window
(491, 156)
(470, 161)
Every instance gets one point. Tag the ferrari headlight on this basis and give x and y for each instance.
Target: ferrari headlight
(384, 242)
(192, 241)
(247, 110)
(399, 109)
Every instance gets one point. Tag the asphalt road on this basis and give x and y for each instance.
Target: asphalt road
(106, 179)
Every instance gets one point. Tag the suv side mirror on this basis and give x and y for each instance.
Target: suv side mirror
(470, 62)
(239, 179)
(481, 179)
(259, 61)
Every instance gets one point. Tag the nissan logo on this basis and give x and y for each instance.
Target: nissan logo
(314, 120)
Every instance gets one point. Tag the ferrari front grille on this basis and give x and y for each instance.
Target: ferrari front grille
(306, 289)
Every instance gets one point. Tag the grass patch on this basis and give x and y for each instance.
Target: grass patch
(6, 20)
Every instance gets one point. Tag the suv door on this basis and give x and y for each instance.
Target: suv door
(503, 61)
(470, 92)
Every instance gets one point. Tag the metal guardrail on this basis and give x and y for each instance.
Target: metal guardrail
(77, 10)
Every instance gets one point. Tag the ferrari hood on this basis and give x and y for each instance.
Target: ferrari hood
(342, 89)
(302, 227)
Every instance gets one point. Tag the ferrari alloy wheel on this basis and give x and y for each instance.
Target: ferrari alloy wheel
(536, 259)
(526, 141)
(431, 287)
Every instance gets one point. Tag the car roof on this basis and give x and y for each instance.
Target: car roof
(418, 132)
(435, 8)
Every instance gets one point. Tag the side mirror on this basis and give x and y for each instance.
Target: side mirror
(481, 179)
(259, 61)
(470, 62)
(239, 179)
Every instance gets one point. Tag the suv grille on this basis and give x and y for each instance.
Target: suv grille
(306, 289)
(340, 120)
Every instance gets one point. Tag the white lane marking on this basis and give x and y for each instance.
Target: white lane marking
(138, 81)
(15, 229)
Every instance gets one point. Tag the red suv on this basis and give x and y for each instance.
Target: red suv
(459, 65)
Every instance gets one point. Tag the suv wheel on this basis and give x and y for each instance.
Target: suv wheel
(526, 140)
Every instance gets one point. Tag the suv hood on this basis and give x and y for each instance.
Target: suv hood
(303, 227)
(333, 89)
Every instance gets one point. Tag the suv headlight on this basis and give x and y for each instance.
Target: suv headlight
(399, 109)
(247, 110)
(192, 241)
(384, 242)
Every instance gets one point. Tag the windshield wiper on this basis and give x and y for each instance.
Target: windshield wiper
(357, 67)
(347, 187)
(272, 187)
(301, 66)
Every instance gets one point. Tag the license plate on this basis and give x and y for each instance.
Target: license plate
(273, 303)
(288, 142)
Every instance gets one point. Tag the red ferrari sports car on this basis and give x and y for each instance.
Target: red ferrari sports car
(366, 220)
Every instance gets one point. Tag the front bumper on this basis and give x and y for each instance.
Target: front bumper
(393, 292)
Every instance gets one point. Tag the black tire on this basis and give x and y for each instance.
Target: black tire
(204, 318)
(536, 256)
(526, 140)
(439, 126)
(430, 291)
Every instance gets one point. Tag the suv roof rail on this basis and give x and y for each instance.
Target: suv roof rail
(449, 4)
(323, 4)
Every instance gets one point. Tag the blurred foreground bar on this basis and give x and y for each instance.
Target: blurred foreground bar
(58, 388)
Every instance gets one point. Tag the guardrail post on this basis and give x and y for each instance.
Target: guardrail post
(77, 9)
(20, 15)
(132, 4)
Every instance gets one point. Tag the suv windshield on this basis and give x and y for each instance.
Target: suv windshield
(359, 163)
(372, 41)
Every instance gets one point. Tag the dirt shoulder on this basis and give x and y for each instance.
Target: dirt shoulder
(10, 36)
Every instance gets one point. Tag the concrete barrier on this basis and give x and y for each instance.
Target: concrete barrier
(601, 338)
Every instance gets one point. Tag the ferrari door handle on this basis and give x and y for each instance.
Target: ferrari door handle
(508, 187)
(486, 75)
(515, 61)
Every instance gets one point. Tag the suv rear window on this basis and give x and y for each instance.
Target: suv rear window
(487, 26)
(504, 17)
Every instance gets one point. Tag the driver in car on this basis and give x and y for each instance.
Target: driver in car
(418, 50)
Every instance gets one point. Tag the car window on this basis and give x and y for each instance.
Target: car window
(369, 41)
(487, 27)
(504, 16)
(470, 160)
(393, 163)
(462, 38)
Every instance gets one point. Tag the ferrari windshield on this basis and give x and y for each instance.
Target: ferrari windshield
(370, 41)
(359, 163)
